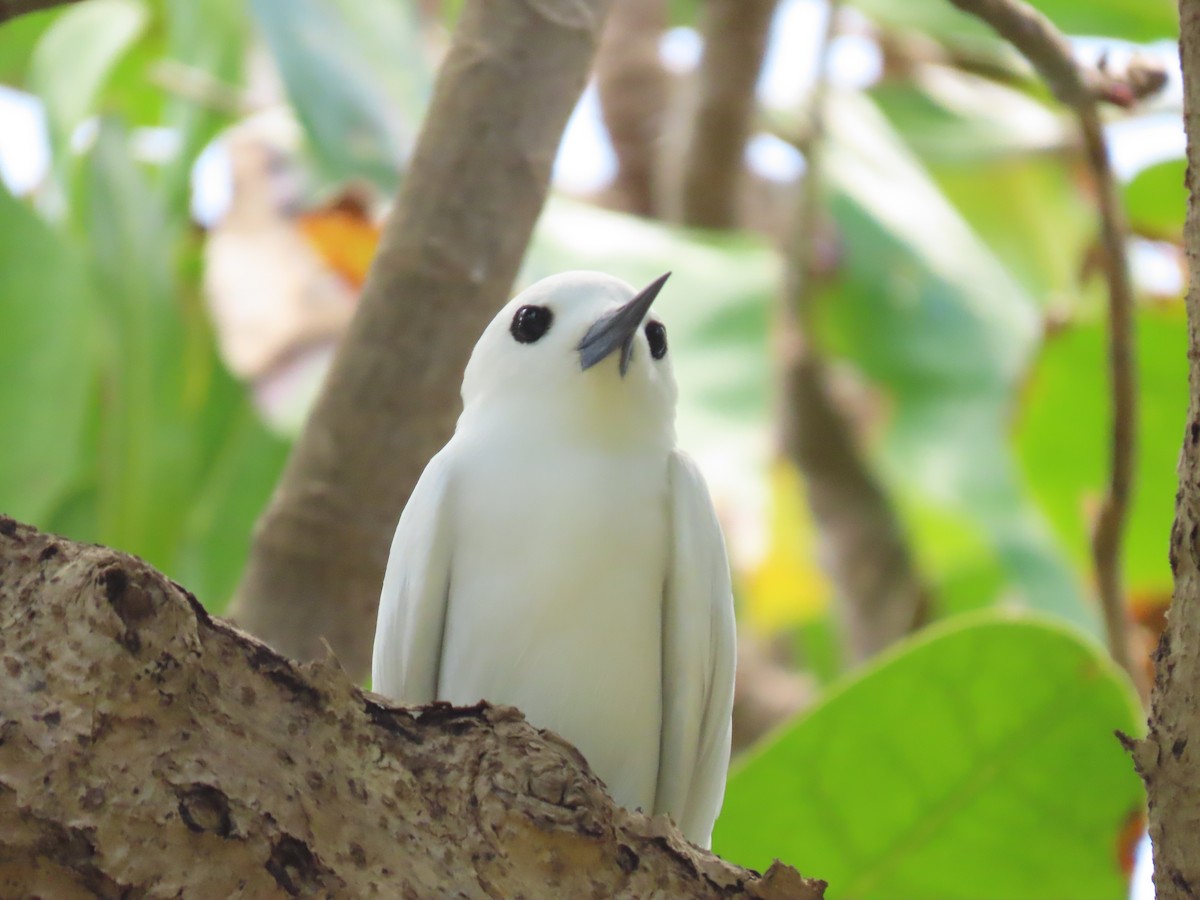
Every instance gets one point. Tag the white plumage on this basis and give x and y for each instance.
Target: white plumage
(562, 556)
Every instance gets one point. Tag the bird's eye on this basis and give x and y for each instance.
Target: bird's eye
(656, 334)
(530, 323)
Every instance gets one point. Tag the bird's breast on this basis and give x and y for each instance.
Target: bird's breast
(555, 601)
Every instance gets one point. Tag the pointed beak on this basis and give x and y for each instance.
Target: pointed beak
(618, 328)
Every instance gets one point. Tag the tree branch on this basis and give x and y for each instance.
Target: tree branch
(446, 262)
(10, 9)
(147, 749)
(1168, 759)
(633, 94)
(882, 597)
(1040, 42)
(735, 37)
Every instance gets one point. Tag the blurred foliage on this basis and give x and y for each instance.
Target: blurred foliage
(927, 775)
(956, 296)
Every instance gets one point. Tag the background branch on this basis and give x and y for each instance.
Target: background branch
(133, 719)
(881, 596)
(446, 262)
(735, 38)
(633, 89)
(1040, 42)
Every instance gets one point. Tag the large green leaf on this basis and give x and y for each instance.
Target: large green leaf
(1131, 20)
(339, 61)
(932, 317)
(208, 36)
(1063, 438)
(988, 148)
(1156, 200)
(976, 762)
(46, 361)
(74, 58)
(183, 465)
(18, 37)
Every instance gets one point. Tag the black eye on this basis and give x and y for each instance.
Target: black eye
(656, 334)
(530, 323)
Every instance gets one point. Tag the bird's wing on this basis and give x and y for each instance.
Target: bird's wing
(412, 604)
(698, 659)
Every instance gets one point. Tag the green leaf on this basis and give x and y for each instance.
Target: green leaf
(1063, 438)
(993, 152)
(232, 491)
(75, 57)
(1130, 20)
(47, 363)
(338, 61)
(926, 311)
(1156, 200)
(208, 36)
(975, 762)
(181, 464)
(18, 37)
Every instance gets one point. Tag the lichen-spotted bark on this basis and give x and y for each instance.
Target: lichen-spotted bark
(1168, 759)
(149, 750)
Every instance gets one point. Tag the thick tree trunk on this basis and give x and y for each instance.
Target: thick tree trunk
(446, 262)
(1169, 757)
(149, 750)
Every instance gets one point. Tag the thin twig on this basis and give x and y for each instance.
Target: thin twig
(882, 597)
(10, 9)
(1041, 43)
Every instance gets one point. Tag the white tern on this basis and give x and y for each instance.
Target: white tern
(560, 555)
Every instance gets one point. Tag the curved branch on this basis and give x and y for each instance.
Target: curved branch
(147, 749)
(1041, 43)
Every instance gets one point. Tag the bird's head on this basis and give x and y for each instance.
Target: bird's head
(579, 353)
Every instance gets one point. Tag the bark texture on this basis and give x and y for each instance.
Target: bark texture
(446, 262)
(1168, 759)
(735, 37)
(149, 750)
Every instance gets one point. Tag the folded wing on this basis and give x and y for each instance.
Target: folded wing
(699, 648)
(412, 604)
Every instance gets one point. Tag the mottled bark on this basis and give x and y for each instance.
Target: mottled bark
(633, 91)
(149, 750)
(735, 37)
(1169, 757)
(446, 262)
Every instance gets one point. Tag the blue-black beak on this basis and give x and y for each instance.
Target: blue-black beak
(618, 328)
